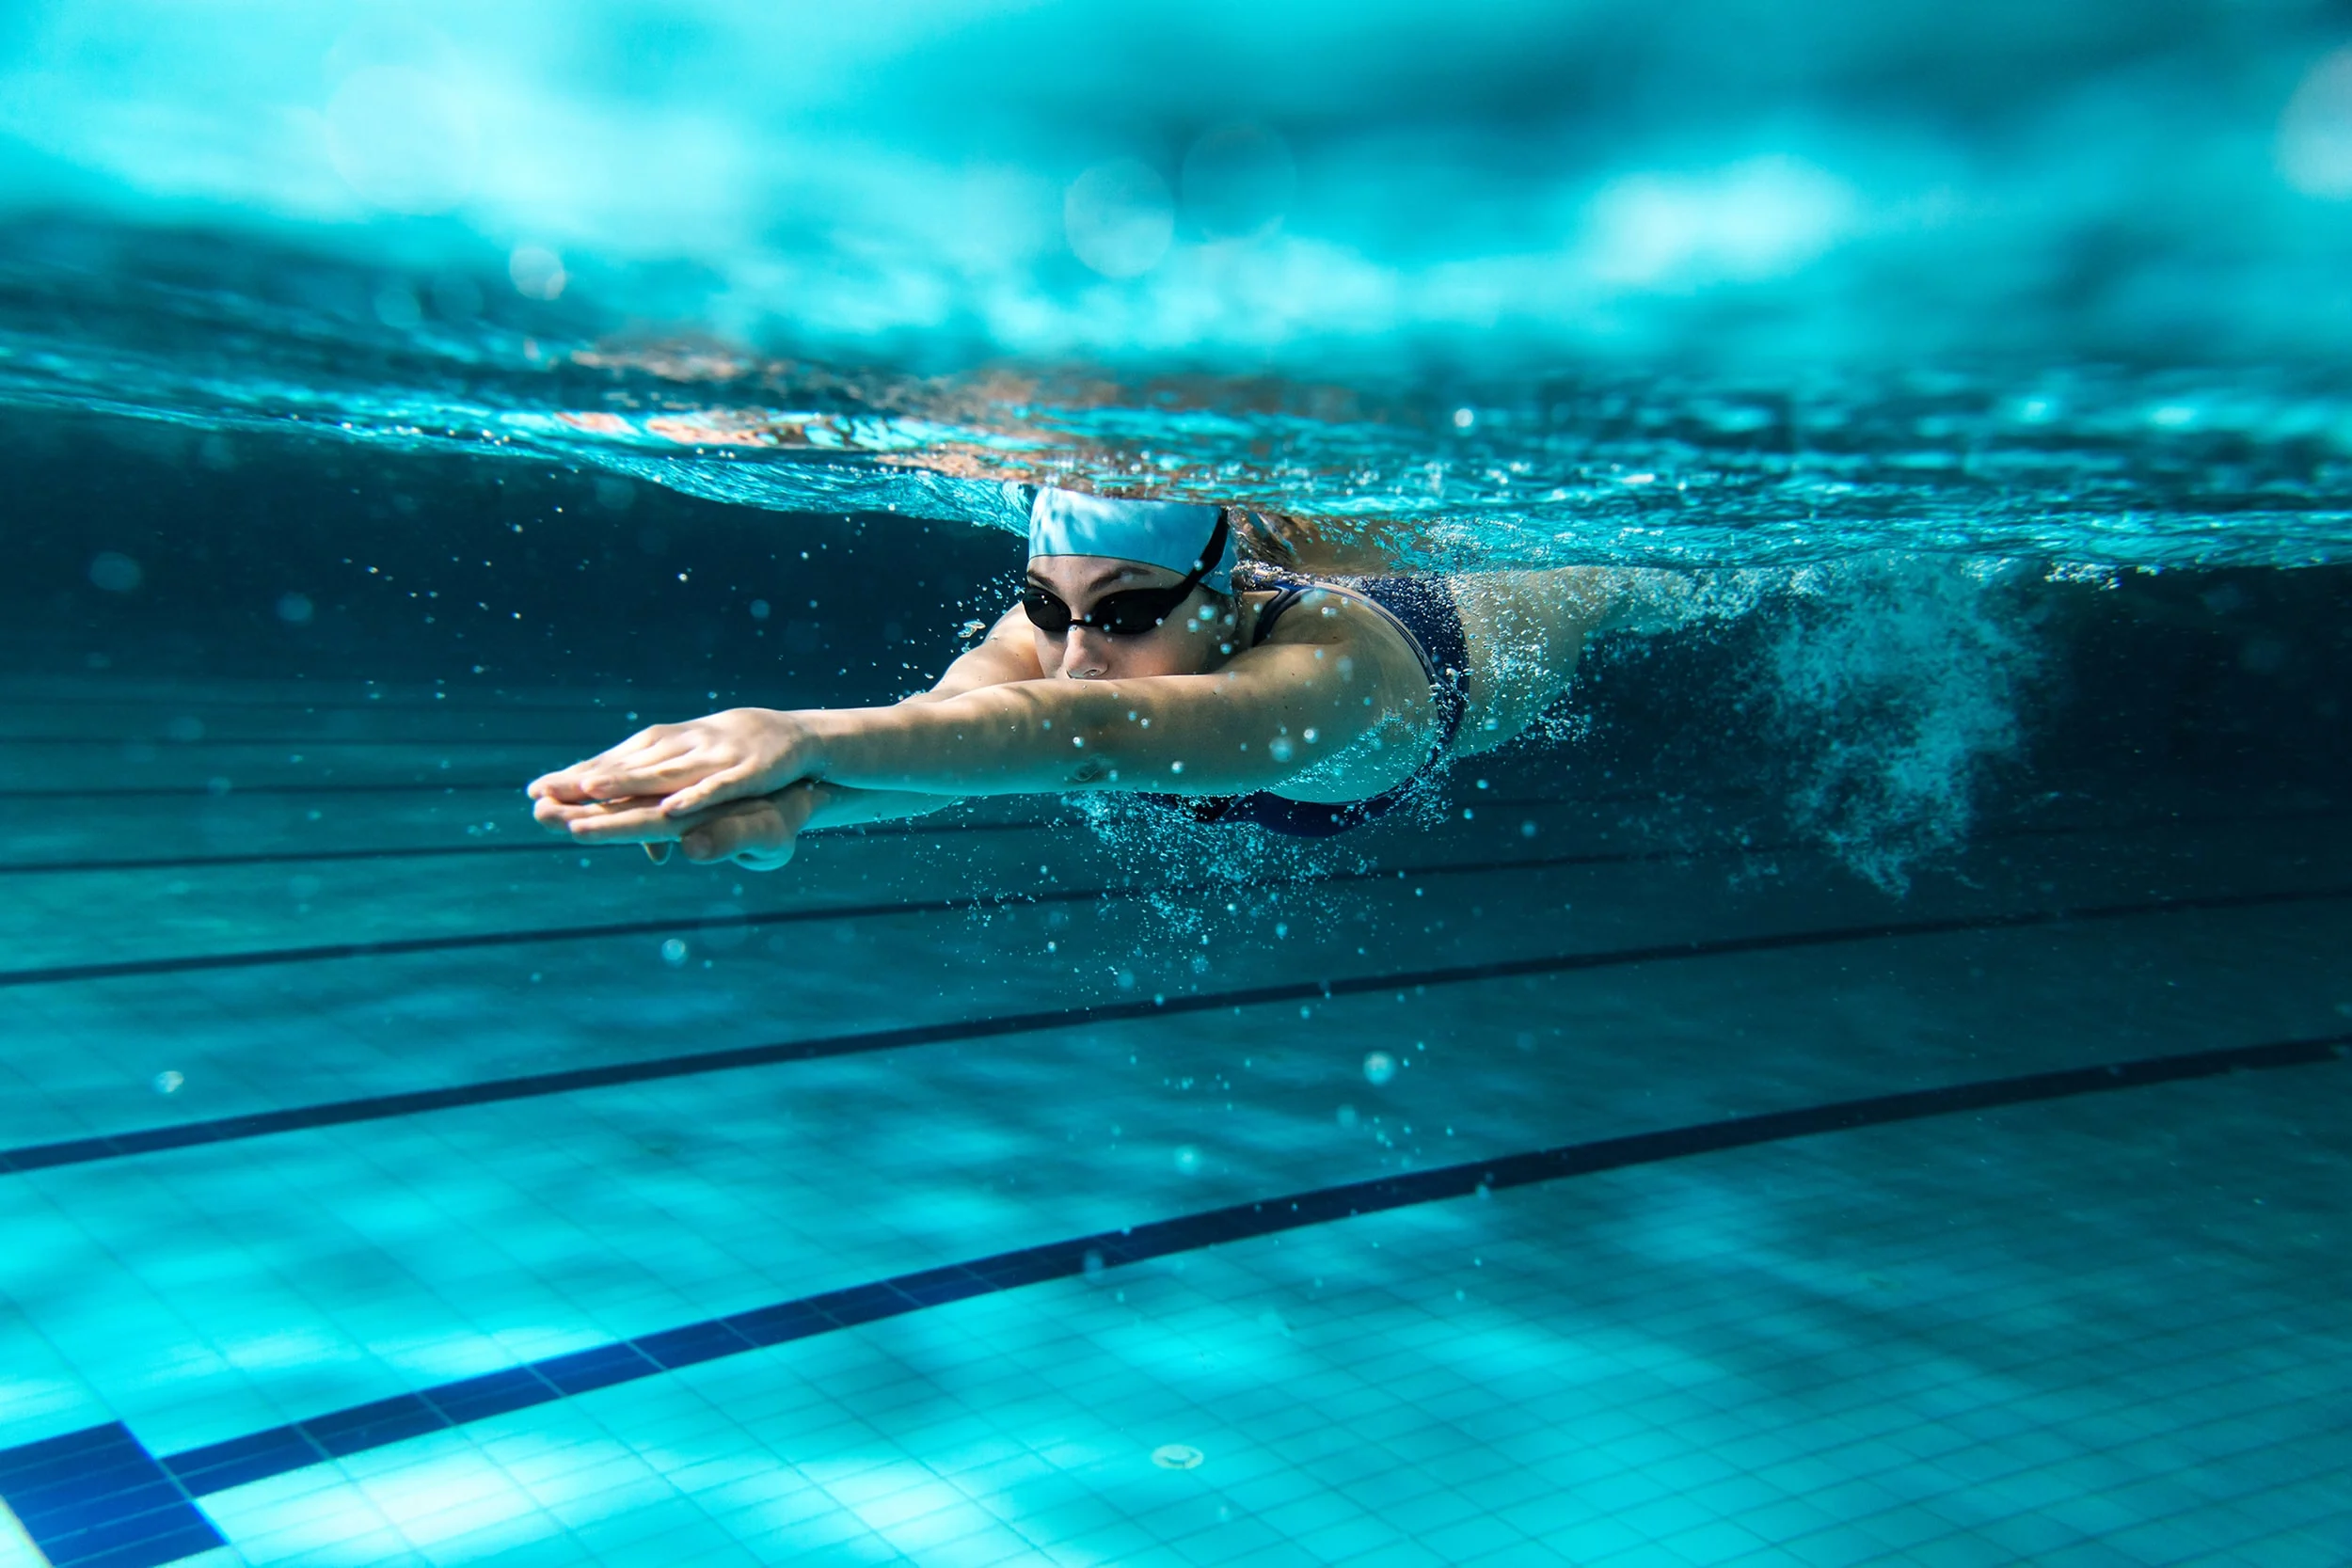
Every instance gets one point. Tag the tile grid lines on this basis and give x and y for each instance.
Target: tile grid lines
(546, 847)
(418, 787)
(97, 1498)
(190, 1134)
(331, 705)
(894, 829)
(870, 829)
(172, 964)
(557, 847)
(422, 742)
(53, 1478)
(114, 969)
(508, 782)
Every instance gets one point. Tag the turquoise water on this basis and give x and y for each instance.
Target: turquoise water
(1862, 1081)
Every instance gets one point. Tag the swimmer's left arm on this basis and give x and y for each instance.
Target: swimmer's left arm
(1239, 729)
(760, 833)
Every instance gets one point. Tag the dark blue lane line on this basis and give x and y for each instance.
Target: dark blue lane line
(115, 792)
(191, 1134)
(97, 1498)
(541, 846)
(181, 963)
(275, 857)
(929, 827)
(109, 1491)
(200, 706)
(209, 742)
(177, 963)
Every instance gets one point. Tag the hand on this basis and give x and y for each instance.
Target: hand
(759, 834)
(676, 769)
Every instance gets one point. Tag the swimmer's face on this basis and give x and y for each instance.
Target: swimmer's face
(1183, 644)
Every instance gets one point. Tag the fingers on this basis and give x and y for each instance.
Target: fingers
(729, 785)
(558, 815)
(562, 784)
(654, 772)
(591, 781)
(753, 833)
(571, 783)
(635, 821)
(663, 784)
(653, 778)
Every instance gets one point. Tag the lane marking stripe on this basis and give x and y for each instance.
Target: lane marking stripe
(77, 1152)
(181, 963)
(92, 1468)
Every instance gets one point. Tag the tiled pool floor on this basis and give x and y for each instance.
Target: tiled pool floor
(2097, 1327)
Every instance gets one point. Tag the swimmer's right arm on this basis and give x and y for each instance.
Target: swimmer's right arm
(762, 833)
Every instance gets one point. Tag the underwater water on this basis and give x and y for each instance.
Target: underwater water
(1864, 1080)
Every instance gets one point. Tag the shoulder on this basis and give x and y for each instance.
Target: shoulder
(1313, 613)
(1328, 615)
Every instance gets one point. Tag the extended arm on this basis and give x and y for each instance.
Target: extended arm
(1275, 712)
(760, 833)
(1245, 727)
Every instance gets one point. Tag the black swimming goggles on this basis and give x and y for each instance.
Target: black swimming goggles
(1131, 612)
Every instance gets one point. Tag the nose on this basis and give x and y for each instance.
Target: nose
(1084, 656)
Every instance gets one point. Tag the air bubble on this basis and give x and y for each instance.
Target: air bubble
(114, 572)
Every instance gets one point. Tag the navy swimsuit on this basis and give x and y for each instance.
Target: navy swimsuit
(1425, 610)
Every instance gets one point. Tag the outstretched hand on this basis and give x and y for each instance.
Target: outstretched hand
(759, 834)
(677, 768)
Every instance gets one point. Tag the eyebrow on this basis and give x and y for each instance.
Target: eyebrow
(1111, 574)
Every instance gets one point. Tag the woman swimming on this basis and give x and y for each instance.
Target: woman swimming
(1134, 662)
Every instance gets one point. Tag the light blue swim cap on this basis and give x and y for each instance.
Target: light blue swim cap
(1159, 533)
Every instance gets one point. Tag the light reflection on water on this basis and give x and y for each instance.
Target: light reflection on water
(1536, 284)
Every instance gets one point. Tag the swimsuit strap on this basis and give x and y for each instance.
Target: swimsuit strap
(1423, 609)
(1290, 594)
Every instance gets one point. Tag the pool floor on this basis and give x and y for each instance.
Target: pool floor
(1619, 1183)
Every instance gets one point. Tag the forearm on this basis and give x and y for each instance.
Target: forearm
(1185, 735)
(841, 806)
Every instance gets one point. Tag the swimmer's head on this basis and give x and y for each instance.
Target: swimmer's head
(1176, 535)
(1084, 549)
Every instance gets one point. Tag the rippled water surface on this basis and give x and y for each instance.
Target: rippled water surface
(1533, 285)
(2084, 464)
